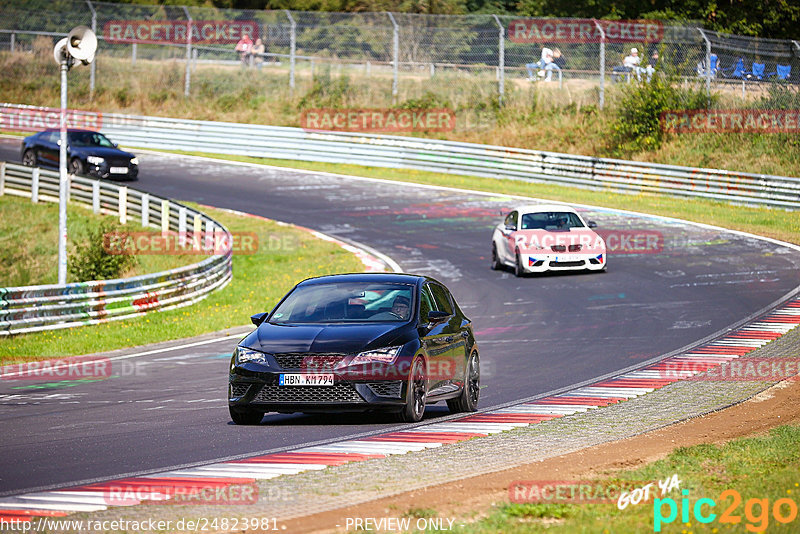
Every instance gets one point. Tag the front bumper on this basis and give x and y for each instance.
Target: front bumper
(103, 170)
(541, 262)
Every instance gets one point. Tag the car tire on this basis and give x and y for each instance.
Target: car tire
(76, 167)
(518, 271)
(496, 266)
(29, 158)
(416, 393)
(468, 400)
(245, 417)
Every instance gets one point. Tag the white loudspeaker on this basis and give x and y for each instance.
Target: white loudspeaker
(60, 51)
(82, 44)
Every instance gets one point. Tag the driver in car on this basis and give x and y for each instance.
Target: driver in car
(400, 310)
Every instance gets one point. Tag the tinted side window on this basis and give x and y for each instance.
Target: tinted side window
(51, 137)
(511, 219)
(441, 298)
(425, 303)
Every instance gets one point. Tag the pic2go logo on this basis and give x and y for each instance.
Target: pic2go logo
(756, 511)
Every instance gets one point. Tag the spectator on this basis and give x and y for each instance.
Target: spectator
(258, 53)
(244, 47)
(558, 59)
(632, 62)
(545, 65)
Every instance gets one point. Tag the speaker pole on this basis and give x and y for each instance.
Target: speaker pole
(63, 183)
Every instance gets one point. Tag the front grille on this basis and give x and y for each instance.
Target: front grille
(575, 248)
(558, 248)
(387, 388)
(239, 390)
(308, 394)
(118, 162)
(566, 263)
(308, 361)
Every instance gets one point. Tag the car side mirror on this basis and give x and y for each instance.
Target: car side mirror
(116, 145)
(591, 224)
(258, 318)
(436, 316)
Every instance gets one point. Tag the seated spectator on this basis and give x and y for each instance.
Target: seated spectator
(545, 65)
(258, 53)
(244, 47)
(632, 62)
(558, 59)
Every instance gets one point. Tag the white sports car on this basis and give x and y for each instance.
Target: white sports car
(534, 239)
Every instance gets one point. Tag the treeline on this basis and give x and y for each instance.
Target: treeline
(778, 19)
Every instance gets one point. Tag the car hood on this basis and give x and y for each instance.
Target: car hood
(103, 152)
(338, 338)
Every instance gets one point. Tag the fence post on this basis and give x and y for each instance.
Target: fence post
(707, 69)
(13, 41)
(197, 228)
(501, 61)
(188, 83)
(164, 216)
(35, 185)
(210, 241)
(602, 95)
(93, 64)
(292, 48)
(395, 55)
(96, 196)
(145, 210)
(123, 205)
(182, 226)
(2, 178)
(133, 54)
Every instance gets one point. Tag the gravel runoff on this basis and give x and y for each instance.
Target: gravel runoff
(317, 491)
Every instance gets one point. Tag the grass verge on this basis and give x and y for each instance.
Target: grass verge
(29, 251)
(761, 471)
(285, 256)
(775, 223)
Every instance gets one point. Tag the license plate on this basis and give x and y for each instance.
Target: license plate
(119, 170)
(306, 380)
(568, 257)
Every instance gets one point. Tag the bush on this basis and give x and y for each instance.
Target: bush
(637, 127)
(90, 261)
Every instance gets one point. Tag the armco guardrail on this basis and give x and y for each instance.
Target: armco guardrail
(422, 154)
(49, 307)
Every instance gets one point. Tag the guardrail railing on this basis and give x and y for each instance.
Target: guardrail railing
(471, 159)
(49, 307)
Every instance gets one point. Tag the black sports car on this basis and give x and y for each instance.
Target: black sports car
(88, 153)
(357, 342)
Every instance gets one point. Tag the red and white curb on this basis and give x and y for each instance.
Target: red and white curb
(163, 486)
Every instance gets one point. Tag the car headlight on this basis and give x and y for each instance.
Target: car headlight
(95, 160)
(384, 355)
(242, 355)
(134, 161)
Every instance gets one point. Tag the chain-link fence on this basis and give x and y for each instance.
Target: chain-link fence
(495, 55)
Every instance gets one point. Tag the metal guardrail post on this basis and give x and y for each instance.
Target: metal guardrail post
(35, 185)
(602, 95)
(123, 205)
(292, 48)
(96, 197)
(188, 81)
(164, 217)
(2, 178)
(395, 55)
(13, 41)
(93, 65)
(133, 55)
(501, 61)
(145, 210)
(707, 72)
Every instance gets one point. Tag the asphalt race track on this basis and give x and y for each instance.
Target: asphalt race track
(536, 334)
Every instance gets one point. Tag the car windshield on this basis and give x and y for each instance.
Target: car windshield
(346, 302)
(89, 139)
(551, 220)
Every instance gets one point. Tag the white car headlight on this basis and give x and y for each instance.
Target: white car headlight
(384, 355)
(95, 160)
(242, 355)
(134, 161)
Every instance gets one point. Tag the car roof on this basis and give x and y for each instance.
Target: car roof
(538, 208)
(70, 130)
(403, 278)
